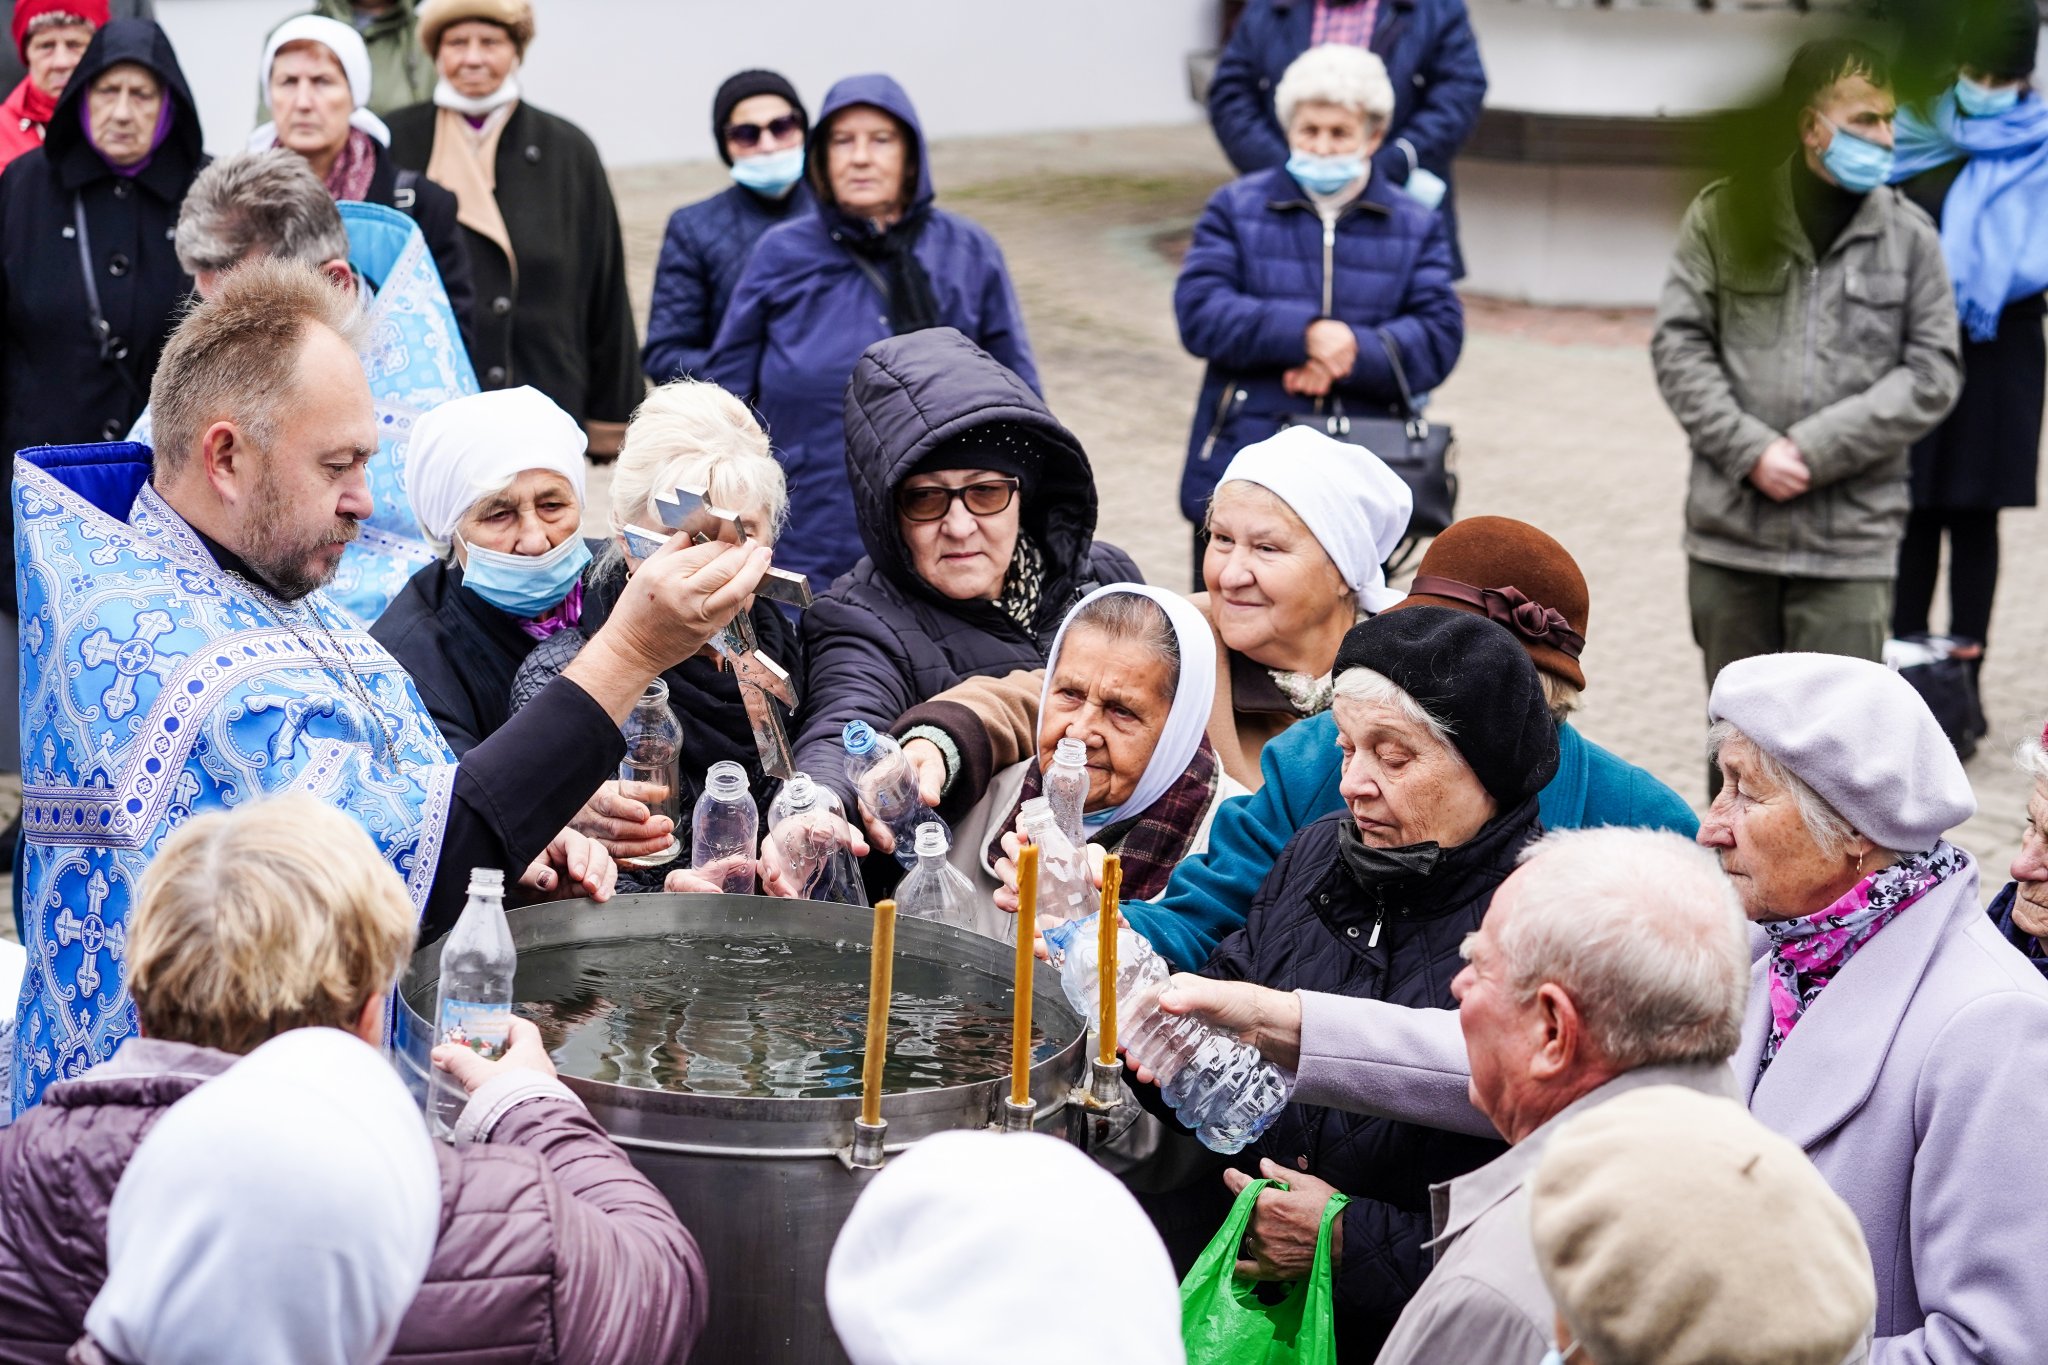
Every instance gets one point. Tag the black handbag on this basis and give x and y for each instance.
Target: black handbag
(1414, 447)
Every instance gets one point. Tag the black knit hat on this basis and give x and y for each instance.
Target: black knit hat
(1474, 679)
(1999, 38)
(1004, 447)
(745, 86)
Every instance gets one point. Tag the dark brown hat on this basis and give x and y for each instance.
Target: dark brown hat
(1509, 571)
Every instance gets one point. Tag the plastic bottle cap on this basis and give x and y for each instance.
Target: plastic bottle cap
(858, 737)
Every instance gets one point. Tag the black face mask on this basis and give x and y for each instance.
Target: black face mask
(1374, 867)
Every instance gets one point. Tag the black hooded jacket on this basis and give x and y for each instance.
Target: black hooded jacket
(55, 388)
(882, 640)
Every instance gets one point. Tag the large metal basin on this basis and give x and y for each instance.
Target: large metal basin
(760, 1182)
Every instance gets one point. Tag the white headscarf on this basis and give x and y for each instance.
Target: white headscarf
(285, 1210)
(1188, 718)
(471, 447)
(947, 1254)
(348, 49)
(1355, 507)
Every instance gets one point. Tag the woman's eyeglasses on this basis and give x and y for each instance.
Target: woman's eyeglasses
(931, 503)
(749, 134)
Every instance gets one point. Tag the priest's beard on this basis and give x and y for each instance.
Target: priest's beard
(291, 559)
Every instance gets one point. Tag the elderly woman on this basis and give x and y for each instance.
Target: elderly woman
(978, 512)
(1304, 282)
(498, 479)
(538, 221)
(50, 36)
(1131, 675)
(695, 434)
(1446, 740)
(2021, 910)
(315, 79)
(759, 125)
(875, 260)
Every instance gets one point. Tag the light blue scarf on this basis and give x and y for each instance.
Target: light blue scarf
(1990, 224)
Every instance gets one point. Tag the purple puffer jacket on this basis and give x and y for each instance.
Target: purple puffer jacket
(553, 1248)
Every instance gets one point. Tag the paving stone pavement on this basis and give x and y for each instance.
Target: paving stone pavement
(1557, 416)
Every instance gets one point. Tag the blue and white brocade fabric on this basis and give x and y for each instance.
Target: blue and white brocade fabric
(413, 356)
(156, 685)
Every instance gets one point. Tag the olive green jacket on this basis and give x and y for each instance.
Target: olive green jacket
(401, 72)
(1854, 357)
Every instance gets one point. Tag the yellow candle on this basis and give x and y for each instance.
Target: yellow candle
(881, 964)
(1020, 1024)
(1105, 955)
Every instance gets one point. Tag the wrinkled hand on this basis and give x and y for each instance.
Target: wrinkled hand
(573, 865)
(1286, 1224)
(1269, 1020)
(928, 765)
(523, 1052)
(823, 832)
(679, 598)
(686, 880)
(1310, 379)
(1780, 473)
(621, 817)
(1333, 345)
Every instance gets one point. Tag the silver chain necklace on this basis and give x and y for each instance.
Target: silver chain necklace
(288, 612)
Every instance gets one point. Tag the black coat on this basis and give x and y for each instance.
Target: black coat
(433, 208)
(55, 387)
(460, 650)
(1987, 452)
(881, 640)
(1309, 929)
(565, 326)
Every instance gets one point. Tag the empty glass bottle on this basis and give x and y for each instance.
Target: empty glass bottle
(1066, 787)
(654, 742)
(934, 888)
(473, 1001)
(876, 768)
(725, 828)
(1218, 1086)
(807, 824)
(1065, 890)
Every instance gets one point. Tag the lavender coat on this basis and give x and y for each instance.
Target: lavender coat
(1917, 1082)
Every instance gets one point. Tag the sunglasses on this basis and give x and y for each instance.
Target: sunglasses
(749, 134)
(932, 504)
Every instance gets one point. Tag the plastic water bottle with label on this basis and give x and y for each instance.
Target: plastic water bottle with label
(935, 890)
(473, 1005)
(725, 829)
(878, 771)
(1218, 1086)
(1066, 788)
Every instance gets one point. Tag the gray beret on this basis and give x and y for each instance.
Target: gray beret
(1859, 735)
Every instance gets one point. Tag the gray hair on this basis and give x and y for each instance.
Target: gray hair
(1646, 935)
(1826, 825)
(1136, 621)
(1340, 74)
(692, 432)
(2032, 759)
(56, 18)
(258, 204)
(1377, 689)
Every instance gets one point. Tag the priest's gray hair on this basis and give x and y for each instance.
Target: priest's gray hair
(1646, 935)
(258, 204)
(235, 357)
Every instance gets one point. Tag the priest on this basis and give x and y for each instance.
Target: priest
(178, 655)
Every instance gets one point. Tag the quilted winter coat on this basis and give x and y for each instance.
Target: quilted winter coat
(552, 1248)
(1262, 267)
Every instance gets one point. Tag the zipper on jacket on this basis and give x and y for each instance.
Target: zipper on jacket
(1329, 263)
(1812, 328)
(1232, 396)
(1379, 918)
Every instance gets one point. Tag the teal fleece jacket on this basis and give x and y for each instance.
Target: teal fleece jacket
(1209, 894)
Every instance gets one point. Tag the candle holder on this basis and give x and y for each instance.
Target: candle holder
(1105, 1084)
(868, 1142)
(1017, 1118)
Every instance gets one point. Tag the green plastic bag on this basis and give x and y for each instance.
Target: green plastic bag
(1222, 1320)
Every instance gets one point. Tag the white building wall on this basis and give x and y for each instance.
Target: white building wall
(638, 75)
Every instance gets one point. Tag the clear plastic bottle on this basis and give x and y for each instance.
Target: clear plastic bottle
(806, 820)
(934, 890)
(473, 1002)
(725, 829)
(654, 744)
(1066, 787)
(876, 768)
(1218, 1086)
(1065, 889)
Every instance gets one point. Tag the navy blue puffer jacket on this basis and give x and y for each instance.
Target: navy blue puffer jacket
(702, 254)
(1254, 280)
(1312, 928)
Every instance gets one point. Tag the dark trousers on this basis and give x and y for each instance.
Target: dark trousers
(1737, 614)
(1972, 570)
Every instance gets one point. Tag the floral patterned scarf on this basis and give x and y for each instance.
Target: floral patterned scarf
(1806, 953)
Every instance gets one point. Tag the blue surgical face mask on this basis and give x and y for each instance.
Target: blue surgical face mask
(1325, 174)
(773, 174)
(525, 585)
(1984, 101)
(1857, 164)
